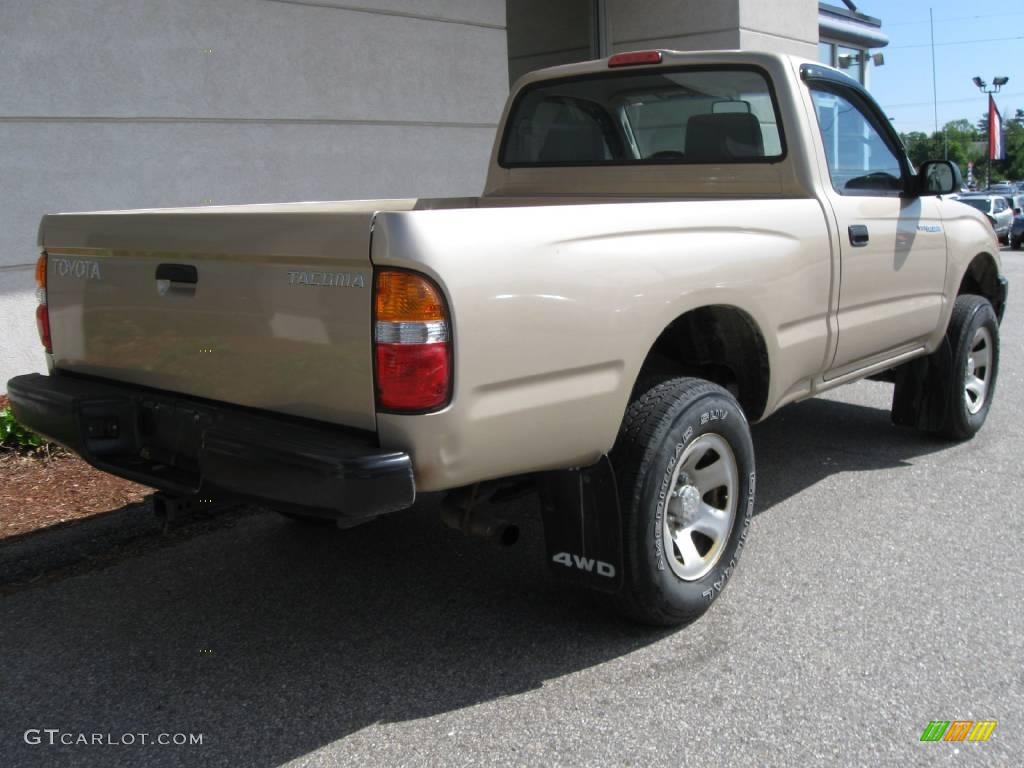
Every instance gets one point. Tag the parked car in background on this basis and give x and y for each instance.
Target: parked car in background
(996, 209)
(1017, 232)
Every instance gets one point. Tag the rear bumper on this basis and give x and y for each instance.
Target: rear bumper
(193, 447)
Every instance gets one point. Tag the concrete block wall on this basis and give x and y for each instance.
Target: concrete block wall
(136, 103)
(692, 25)
(783, 27)
(542, 33)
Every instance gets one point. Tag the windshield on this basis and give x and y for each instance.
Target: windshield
(980, 203)
(673, 116)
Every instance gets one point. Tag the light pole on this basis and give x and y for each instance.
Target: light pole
(997, 83)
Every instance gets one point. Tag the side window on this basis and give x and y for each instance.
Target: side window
(859, 160)
(1000, 206)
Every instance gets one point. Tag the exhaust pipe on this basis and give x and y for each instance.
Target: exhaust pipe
(477, 522)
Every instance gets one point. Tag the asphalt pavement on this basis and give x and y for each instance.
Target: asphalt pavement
(881, 588)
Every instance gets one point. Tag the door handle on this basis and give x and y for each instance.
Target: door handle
(858, 235)
(176, 278)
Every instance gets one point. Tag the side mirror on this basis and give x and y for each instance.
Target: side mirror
(1016, 211)
(939, 177)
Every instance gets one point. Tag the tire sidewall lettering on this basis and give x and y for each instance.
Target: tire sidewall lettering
(716, 587)
(659, 512)
(701, 423)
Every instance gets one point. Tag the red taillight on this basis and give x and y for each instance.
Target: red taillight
(633, 58)
(43, 324)
(42, 311)
(412, 377)
(412, 343)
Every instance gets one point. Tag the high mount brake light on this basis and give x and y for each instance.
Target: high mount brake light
(412, 343)
(633, 58)
(43, 310)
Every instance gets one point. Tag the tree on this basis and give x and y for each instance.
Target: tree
(956, 142)
(919, 146)
(960, 127)
(1013, 166)
(963, 142)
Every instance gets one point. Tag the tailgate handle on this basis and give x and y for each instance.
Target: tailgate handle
(177, 273)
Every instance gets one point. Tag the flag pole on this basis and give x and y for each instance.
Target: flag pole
(988, 165)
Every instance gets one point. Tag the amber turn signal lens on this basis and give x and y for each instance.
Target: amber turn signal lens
(407, 298)
(41, 272)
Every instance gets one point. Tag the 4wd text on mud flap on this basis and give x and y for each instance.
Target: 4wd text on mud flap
(587, 564)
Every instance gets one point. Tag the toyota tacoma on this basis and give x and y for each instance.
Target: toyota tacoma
(669, 247)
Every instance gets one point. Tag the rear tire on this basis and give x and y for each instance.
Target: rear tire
(684, 463)
(970, 377)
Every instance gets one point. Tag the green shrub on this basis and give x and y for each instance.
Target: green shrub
(15, 436)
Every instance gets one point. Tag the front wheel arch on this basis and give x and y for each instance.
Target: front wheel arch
(981, 278)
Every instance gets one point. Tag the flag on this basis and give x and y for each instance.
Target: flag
(996, 143)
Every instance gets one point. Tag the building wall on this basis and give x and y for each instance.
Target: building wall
(139, 103)
(542, 33)
(690, 25)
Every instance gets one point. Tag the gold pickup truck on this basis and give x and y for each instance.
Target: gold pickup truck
(669, 247)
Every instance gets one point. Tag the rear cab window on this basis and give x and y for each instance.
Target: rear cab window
(687, 115)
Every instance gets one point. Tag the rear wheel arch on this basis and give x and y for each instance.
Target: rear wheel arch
(718, 342)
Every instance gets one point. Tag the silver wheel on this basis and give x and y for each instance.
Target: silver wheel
(701, 508)
(978, 371)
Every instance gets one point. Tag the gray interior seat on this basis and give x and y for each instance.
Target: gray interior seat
(578, 142)
(723, 136)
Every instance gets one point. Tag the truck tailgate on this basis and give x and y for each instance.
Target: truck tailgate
(267, 306)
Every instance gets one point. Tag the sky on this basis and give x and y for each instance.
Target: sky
(983, 39)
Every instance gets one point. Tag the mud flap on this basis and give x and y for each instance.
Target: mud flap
(583, 526)
(920, 398)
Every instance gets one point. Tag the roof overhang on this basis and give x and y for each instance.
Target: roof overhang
(851, 28)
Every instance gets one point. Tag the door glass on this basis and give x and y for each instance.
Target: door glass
(859, 161)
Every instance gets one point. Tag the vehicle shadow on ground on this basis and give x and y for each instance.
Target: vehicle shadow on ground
(809, 441)
(274, 640)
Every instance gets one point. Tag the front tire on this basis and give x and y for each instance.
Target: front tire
(684, 463)
(970, 377)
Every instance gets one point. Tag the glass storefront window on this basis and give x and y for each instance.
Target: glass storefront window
(851, 61)
(826, 54)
